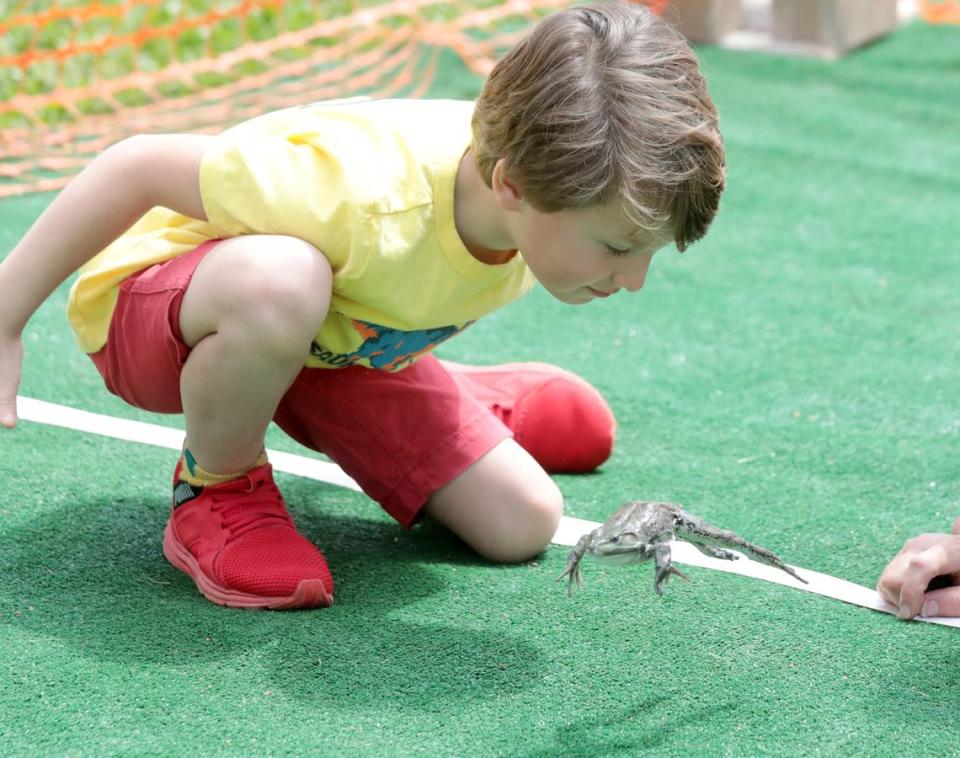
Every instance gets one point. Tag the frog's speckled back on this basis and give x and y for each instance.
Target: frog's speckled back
(641, 530)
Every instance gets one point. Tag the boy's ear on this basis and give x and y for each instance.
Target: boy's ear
(507, 192)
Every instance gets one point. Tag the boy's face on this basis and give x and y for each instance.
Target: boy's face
(586, 254)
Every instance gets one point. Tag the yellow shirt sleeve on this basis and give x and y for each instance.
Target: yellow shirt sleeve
(256, 183)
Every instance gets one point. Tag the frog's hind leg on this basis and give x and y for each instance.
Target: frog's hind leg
(661, 557)
(705, 536)
(715, 552)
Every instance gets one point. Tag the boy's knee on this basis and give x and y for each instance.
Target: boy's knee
(527, 527)
(280, 285)
(284, 273)
(504, 506)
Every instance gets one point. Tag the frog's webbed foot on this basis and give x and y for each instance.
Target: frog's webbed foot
(665, 568)
(573, 565)
(576, 576)
(765, 556)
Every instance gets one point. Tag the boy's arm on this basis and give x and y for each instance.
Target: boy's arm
(105, 200)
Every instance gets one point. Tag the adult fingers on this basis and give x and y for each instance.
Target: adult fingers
(939, 560)
(923, 541)
(942, 602)
(891, 579)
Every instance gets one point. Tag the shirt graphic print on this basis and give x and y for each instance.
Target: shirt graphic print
(386, 348)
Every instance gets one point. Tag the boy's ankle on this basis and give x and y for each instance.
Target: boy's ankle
(193, 473)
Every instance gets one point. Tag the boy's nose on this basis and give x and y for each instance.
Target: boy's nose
(633, 276)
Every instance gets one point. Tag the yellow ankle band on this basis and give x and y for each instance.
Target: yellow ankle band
(192, 473)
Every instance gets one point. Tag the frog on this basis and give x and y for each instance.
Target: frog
(641, 530)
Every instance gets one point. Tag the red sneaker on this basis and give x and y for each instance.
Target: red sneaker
(240, 546)
(556, 416)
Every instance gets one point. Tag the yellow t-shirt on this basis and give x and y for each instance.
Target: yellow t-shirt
(369, 183)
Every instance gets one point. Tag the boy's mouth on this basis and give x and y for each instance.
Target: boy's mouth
(598, 293)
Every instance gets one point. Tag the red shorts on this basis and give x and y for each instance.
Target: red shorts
(401, 435)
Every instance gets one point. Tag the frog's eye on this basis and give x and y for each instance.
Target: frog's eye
(616, 538)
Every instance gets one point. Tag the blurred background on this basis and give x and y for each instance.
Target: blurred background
(77, 76)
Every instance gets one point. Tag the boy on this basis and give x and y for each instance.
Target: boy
(299, 267)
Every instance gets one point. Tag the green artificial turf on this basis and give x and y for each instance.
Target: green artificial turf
(792, 377)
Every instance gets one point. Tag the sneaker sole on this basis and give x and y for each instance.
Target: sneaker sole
(310, 593)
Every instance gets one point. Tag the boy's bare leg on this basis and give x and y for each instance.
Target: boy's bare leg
(504, 506)
(249, 314)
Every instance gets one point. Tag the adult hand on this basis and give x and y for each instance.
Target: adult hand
(11, 361)
(905, 581)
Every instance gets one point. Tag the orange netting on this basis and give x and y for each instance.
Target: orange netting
(940, 11)
(77, 76)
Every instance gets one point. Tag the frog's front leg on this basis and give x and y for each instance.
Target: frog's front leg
(573, 564)
(661, 558)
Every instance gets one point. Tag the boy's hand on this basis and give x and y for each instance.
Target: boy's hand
(905, 581)
(11, 360)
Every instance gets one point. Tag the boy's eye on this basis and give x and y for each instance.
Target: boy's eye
(616, 250)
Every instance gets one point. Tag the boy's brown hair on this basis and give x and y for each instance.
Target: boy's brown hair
(604, 101)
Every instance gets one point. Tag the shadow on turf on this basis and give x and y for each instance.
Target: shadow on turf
(93, 576)
(655, 721)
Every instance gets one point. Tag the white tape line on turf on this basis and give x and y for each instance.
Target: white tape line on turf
(42, 412)
(569, 531)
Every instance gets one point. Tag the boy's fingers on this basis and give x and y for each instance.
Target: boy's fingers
(11, 359)
(8, 412)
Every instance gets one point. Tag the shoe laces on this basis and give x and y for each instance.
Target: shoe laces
(249, 503)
